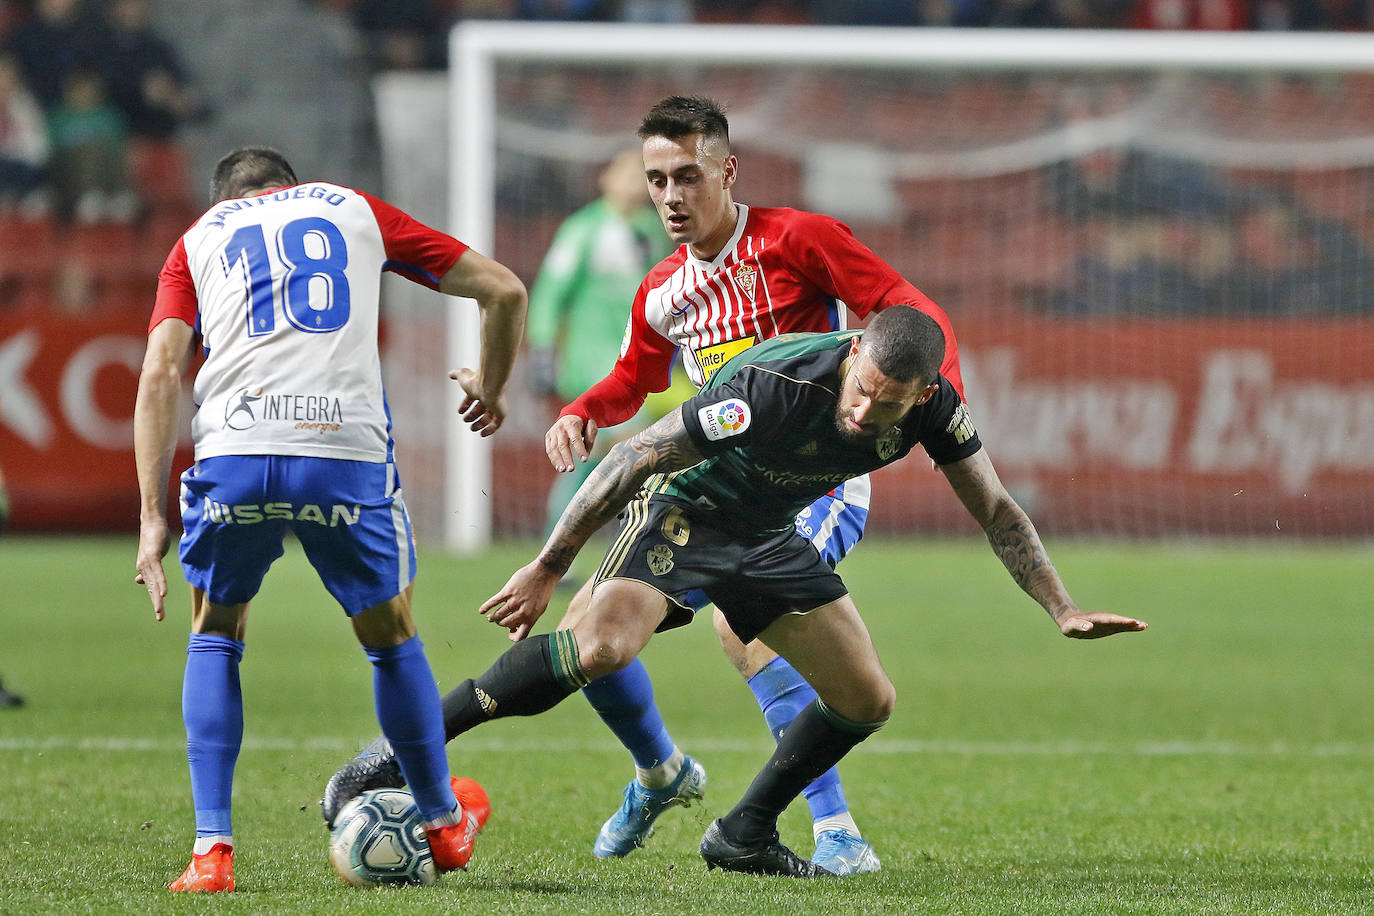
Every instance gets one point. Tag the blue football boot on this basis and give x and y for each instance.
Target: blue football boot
(842, 853)
(631, 826)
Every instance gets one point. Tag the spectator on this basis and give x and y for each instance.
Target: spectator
(1209, 15)
(23, 138)
(1155, 231)
(90, 154)
(404, 34)
(49, 47)
(142, 72)
(567, 10)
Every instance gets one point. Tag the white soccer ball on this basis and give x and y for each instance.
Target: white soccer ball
(380, 839)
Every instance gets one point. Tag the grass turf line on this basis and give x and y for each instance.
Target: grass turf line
(1217, 763)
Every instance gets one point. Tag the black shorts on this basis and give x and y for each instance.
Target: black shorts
(753, 581)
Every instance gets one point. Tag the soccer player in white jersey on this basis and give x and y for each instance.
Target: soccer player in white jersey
(279, 282)
(740, 275)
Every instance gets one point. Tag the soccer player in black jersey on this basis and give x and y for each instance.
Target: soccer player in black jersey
(709, 495)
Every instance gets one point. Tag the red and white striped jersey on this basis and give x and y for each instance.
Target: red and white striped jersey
(283, 289)
(783, 270)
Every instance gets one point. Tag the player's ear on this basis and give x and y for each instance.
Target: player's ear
(928, 392)
(731, 171)
(854, 347)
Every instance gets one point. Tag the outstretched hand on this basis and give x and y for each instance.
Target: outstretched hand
(569, 439)
(482, 413)
(153, 541)
(1097, 624)
(522, 600)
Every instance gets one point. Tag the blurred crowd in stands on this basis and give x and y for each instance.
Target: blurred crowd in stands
(410, 33)
(95, 102)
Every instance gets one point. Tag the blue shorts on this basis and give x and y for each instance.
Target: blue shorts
(348, 516)
(833, 524)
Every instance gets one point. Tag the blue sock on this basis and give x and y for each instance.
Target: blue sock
(408, 710)
(782, 694)
(212, 708)
(625, 701)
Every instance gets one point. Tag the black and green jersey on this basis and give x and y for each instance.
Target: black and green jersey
(767, 423)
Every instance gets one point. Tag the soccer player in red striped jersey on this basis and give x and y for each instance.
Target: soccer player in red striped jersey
(741, 274)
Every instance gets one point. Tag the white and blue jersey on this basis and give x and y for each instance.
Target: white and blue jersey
(292, 428)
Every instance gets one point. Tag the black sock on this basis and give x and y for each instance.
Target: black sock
(530, 677)
(815, 741)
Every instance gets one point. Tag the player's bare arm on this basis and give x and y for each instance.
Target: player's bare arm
(165, 362)
(503, 302)
(1013, 538)
(663, 447)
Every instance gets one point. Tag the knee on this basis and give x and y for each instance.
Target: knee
(600, 657)
(874, 703)
(885, 701)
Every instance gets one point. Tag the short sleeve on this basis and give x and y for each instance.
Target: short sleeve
(947, 431)
(176, 291)
(413, 250)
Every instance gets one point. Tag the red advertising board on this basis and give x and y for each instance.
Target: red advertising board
(1215, 427)
(67, 386)
(1097, 427)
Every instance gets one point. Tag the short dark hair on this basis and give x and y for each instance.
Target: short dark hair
(681, 116)
(905, 344)
(248, 168)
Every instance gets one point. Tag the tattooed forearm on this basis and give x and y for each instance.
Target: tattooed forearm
(663, 447)
(1014, 540)
(1010, 533)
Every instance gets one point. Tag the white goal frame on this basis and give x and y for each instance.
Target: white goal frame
(476, 47)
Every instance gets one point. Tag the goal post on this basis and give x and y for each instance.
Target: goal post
(1155, 247)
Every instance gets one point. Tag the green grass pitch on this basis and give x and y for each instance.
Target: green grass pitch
(1221, 762)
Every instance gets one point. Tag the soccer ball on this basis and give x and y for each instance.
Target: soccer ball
(380, 839)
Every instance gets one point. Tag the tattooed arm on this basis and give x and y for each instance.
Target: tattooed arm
(1013, 539)
(663, 447)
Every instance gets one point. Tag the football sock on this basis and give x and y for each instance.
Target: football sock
(782, 694)
(206, 843)
(212, 709)
(408, 710)
(530, 677)
(661, 776)
(625, 702)
(842, 821)
(812, 744)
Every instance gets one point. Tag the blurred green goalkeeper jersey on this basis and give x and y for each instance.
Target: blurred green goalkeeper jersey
(580, 302)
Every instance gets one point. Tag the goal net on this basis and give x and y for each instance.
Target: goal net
(1155, 248)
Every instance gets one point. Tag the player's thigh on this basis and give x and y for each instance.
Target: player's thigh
(662, 546)
(352, 523)
(385, 625)
(229, 539)
(577, 607)
(831, 644)
(620, 619)
(228, 620)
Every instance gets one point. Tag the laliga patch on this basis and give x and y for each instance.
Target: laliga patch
(723, 419)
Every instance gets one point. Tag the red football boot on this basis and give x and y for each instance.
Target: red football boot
(452, 845)
(473, 798)
(213, 871)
